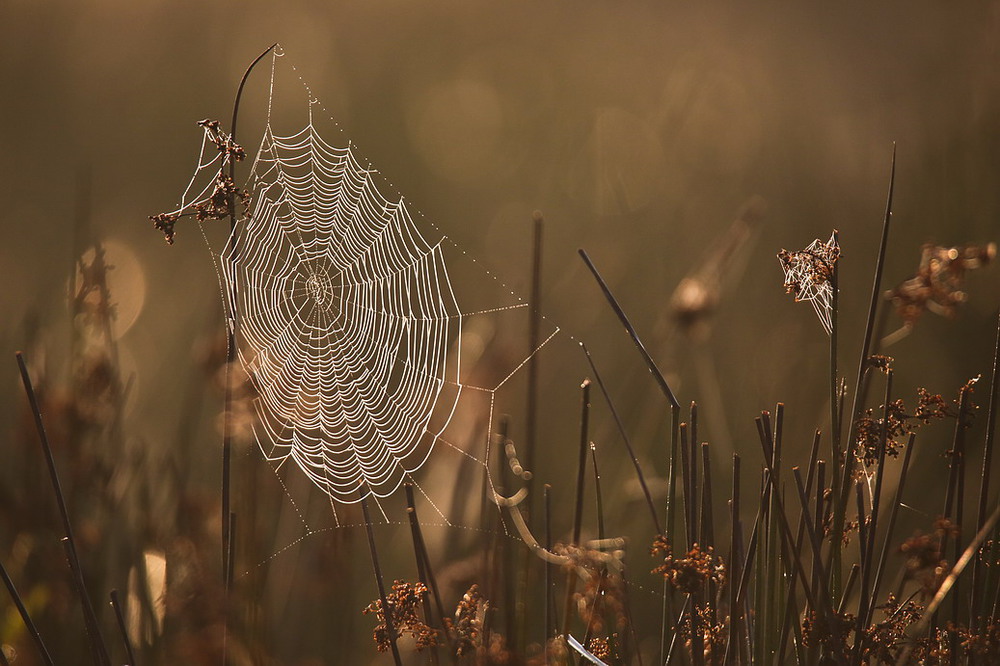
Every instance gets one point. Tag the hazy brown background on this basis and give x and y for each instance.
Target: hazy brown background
(639, 129)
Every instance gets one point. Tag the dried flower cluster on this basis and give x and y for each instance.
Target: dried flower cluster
(221, 202)
(224, 142)
(817, 632)
(467, 627)
(884, 639)
(688, 574)
(925, 561)
(936, 286)
(900, 423)
(404, 602)
(712, 633)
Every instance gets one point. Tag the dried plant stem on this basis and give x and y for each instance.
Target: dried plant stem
(425, 573)
(840, 499)
(653, 369)
(887, 541)
(984, 484)
(386, 608)
(581, 470)
(601, 535)
(547, 578)
(531, 414)
(25, 617)
(98, 647)
(868, 566)
(120, 619)
(227, 436)
(748, 563)
(625, 439)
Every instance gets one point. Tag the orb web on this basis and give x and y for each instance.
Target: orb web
(346, 314)
(346, 319)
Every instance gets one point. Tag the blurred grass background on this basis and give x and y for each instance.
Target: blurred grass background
(640, 131)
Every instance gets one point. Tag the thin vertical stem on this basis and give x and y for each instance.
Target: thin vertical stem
(840, 501)
(650, 364)
(386, 608)
(625, 439)
(425, 573)
(984, 484)
(531, 414)
(547, 579)
(120, 619)
(581, 467)
(227, 435)
(98, 647)
(25, 617)
(597, 492)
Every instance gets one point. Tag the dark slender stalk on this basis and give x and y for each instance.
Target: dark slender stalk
(535, 322)
(811, 530)
(852, 579)
(690, 529)
(959, 457)
(25, 617)
(231, 555)
(840, 501)
(748, 563)
(547, 578)
(581, 467)
(819, 583)
(868, 573)
(227, 435)
(734, 565)
(98, 647)
(984, 484)
(836, 406)
(581, 470)
(425, 573)
(120, 619)
(675, 425)
(597, 492)
(386, 608)
(628, 443)
(896, 503)
(671, 511)
(707, 528)
(655, 371)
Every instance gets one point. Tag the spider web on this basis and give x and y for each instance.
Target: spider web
(808, 276)
(347, 321)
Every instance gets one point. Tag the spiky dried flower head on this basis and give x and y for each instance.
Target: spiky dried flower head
(164, 222)
(809, 273)
(899, 423)
(404, 603)
(937, 284)
(690, 573)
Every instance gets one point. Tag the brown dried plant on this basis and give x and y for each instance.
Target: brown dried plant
(405, 604)
(688, 574)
